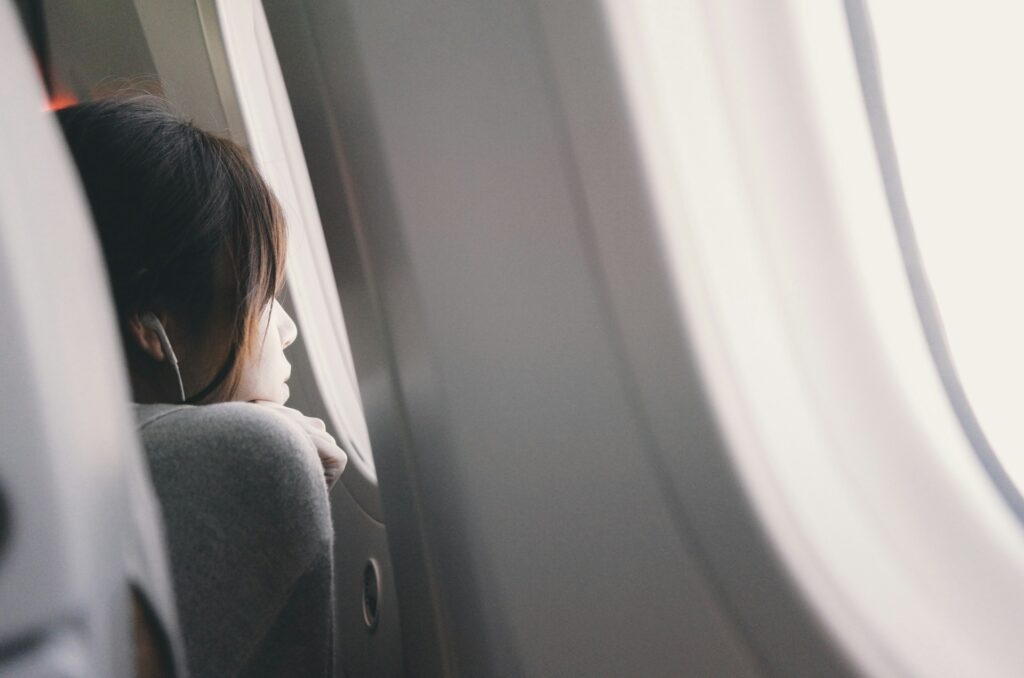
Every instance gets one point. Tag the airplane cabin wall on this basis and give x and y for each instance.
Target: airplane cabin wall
(535, 527)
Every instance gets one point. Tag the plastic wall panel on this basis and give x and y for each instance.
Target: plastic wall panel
(531, 533)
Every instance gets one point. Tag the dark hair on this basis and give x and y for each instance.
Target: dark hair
(171, 202)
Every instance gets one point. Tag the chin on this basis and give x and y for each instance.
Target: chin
(267, 394)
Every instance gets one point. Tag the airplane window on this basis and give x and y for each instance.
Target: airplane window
(270, 129)
(950, 74)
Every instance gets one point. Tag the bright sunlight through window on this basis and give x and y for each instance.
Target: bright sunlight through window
(952, 75)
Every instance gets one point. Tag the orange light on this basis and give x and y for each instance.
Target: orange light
(60, 100)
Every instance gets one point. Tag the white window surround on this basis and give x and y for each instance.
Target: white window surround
(760, 159)
(274, 142)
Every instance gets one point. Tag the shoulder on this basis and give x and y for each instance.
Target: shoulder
(244, 503)
(233, 421)
(240, 439)
(238, 426)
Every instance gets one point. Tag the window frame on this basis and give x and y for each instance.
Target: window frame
(775, 224)
(256, 104)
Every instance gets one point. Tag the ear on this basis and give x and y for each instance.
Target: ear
(146, 339)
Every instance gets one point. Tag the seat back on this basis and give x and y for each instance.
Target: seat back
(65, 429)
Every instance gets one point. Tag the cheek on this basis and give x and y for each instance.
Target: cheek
(248, 382)
(262, 375)
(271, 358)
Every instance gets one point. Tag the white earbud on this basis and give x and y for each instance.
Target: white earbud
(150, 321)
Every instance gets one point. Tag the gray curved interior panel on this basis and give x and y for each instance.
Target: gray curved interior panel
(66, 431)
(360, 535)
(361, 649)
(557, 495)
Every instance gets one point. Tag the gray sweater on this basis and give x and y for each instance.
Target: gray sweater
(249, 534)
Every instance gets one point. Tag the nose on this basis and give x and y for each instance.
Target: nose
(286, 327)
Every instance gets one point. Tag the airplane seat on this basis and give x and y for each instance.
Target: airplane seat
(78, 521)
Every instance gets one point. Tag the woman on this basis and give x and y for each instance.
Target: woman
(194, 245)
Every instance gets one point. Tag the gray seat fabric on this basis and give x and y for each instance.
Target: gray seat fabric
(249, 534)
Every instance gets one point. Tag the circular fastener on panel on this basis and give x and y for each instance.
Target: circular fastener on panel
(3, 524)
(371, 595)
